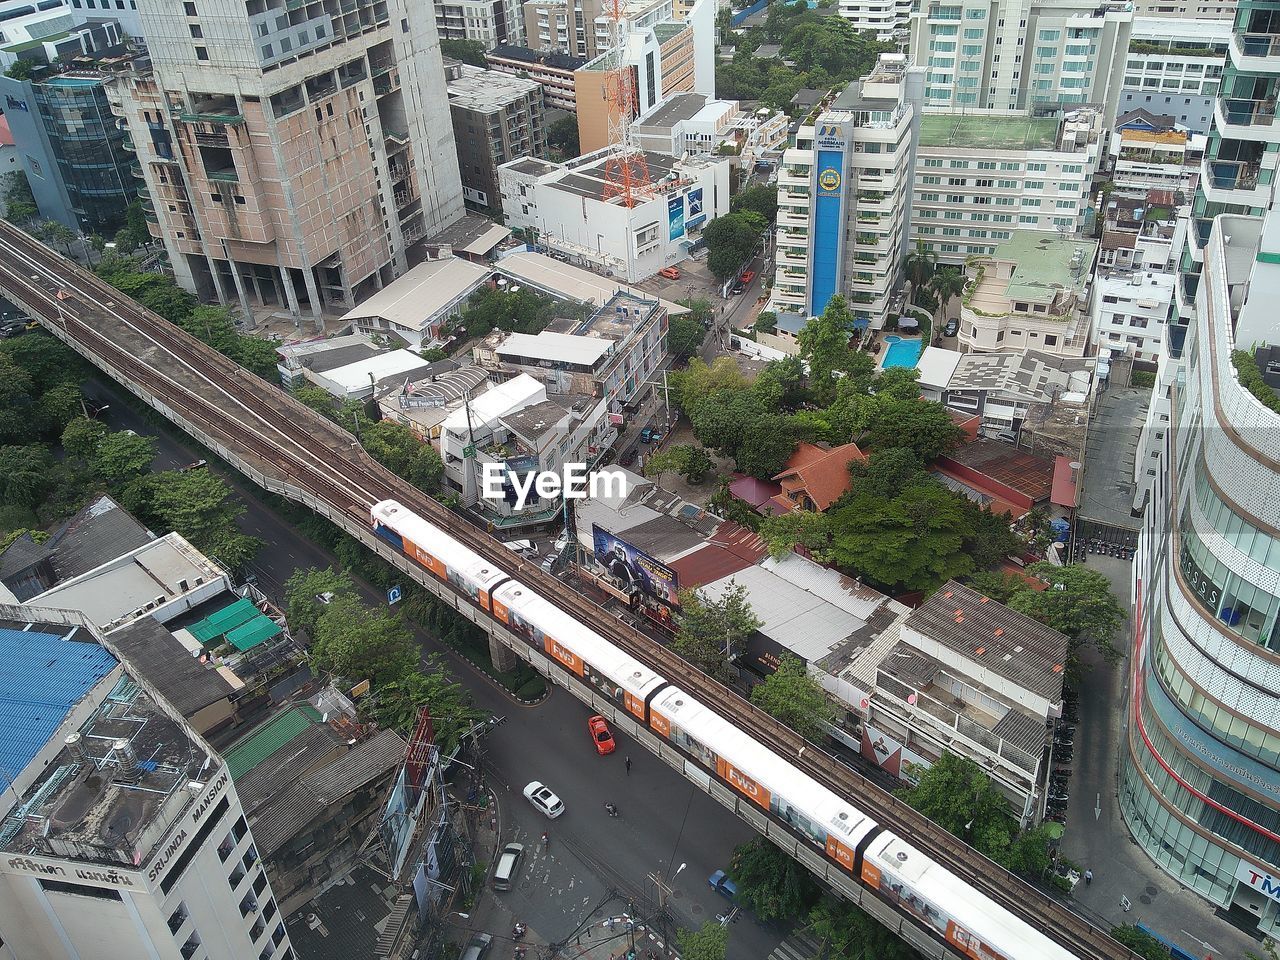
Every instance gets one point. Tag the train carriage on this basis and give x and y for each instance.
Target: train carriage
(576, 647)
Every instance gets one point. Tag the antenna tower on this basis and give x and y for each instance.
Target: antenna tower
(626, 173)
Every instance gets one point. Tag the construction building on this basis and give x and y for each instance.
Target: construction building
(496, 118)
(289, 157)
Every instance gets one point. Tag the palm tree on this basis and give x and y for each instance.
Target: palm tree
(920, 266)
(946, 283)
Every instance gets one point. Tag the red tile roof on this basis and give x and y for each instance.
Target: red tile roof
(1009, 473)
(1064, 483)
(822, 474)
(755, 493)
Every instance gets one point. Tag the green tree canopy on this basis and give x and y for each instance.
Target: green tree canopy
(1079, 603)
(792, 696)
(19, 202)
(684, 336)
(356, 642)
(396, 448)
(25, 474)
(709, 942)
(731, 240)
(562, 135)
(80, 439)
(693, 462)
(957, 795)
(712, 631)
(303, 588)
(468, 51)
(760, 199)
(396, 703)
(1140, 942)
(824, 346)
(771, 884)
(197, 504)
(848, 933)
(120, 456)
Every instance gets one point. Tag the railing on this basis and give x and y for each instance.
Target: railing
(217, 139)
(229, 175)
(1249, 113)
(1260, 44)
(1231, 175)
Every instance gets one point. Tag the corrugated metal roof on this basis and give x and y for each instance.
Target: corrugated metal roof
(258, 630)
(158, 657)
(228, 618)
(270, 737)
(42, 675)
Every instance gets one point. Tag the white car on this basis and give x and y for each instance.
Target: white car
(543, 800)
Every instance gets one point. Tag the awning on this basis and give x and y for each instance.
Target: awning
(258, 630)
(228, 618)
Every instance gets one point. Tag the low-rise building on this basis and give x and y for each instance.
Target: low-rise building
(424, 404)
(685, 123)
(413, 308)
(980, 177)
(815, 477)
(1141, 230)
(1031, 294)
(363, 378)
(1132, 310)
(554, 71)
(613, 354)
(1004, 389)
(1174, 66)
(1144, 160)
(496, 118)
(577, 210)
(295, 360)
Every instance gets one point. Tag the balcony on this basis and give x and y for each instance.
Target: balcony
(1255, 51)
(127, 143)
(1245, 119)
(1232, 175)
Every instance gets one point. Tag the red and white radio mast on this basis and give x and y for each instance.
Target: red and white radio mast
(625, 170)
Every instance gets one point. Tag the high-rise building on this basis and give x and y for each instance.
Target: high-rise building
(1200, 788)
(122, 833)
(1022, 54)
(554, 71)
(292, 155)
(77, 161)
(1174, 69)
(889, 20)
(496, 118)
(1186, 9)
(489, 22)
(844, 199)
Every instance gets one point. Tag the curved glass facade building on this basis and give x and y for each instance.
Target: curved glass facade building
(1200, 783)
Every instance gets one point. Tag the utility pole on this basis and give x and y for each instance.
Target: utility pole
(664, 891)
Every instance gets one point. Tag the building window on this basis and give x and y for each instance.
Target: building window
(196, 30)
(189, 8)
(202, 53)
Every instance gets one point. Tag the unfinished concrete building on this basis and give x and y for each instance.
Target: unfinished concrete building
(291, 150)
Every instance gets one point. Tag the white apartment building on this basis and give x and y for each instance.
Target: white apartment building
(1020, 54)
(1031, 294)
(1174, 68)
(50, 29)
(574, 209)
(685, 123)
(123, 836)
(490, 22)
(844, 199)
(889, 20)
(980, 177)
(1186, 9)
(1146, 160)
(1131, 311)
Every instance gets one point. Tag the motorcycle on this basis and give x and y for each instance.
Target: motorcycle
(518, 931)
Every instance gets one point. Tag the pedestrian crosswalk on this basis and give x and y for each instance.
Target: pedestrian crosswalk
(798, 946)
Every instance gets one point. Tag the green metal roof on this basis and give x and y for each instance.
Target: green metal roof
(256, 631)
(270, 737)
(220, 621)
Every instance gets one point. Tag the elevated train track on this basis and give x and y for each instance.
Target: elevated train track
(295, 451)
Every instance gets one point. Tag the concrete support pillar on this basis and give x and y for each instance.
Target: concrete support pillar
(503, 657)
(317, 303)
(240, 290)
(291, 295)
(259, 282)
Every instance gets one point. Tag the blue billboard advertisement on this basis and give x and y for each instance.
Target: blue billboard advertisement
(675, 216)
(695, 216)
(634, 568)
(827, 224)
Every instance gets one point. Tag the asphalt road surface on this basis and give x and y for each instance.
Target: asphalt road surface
(664, 820)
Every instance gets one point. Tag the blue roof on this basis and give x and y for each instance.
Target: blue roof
(42, 675)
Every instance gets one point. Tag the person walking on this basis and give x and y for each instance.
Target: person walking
(1088, 877)
(627, 763)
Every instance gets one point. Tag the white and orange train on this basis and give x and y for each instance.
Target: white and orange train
(969, 923)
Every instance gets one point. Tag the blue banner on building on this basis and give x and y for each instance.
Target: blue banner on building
(827, 226)
(675, 216)
(695, 217)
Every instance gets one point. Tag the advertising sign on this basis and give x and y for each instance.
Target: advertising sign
(888, 754)
(518, 467)
(828, 225)
(695, 216)
(634, 568)
(399, 820)
(1258, 878)
(675, 216)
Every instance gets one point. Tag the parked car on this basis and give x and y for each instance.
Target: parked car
(520, 546)
(476, 947)
(504, 873)
(543, 800)
(656, 436)
(738, 288)
(646, 435)
(747, 277)
(722, 885)
(629, 457)
(600, 735)
(671, 273)
(194, 465)
(952, 327)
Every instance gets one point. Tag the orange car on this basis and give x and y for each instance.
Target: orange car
(671, 273)
(748, 276)
(600, 735)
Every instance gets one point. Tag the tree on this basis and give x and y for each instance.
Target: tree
(396, 704)
(197, 504)
(1078, 602)
(1140, 942)
(945, 284)
(321, 401)
(848, 933)
(698, 380)
(355, 642)
(396, 448)
(21, 70)
(685, 459)
(707, 943)
(992, 540)
(80, 439)
(212, 325)
(766, 446)
(996, 585)
(924, 426)
(957, 795)
(684, 336)
(761, 199)
(302, 589)
(24, 474)
(57, 407)
(468, 51)
(731, 240)
(562, 135)
(712, 631)
(798, 528)
(19, 202)
(121, 456)
(258, 356)
(54, 234)
(920, 265)
(789, 694)
(824, 345)
(771, 884)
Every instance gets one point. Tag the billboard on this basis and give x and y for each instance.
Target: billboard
(828, 224)
(675, 216)
(400, 820)
(695, 217)
(632, 567)
(888, 754)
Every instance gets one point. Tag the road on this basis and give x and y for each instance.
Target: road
(664, 819)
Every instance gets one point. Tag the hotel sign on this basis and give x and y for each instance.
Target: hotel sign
(65, 870)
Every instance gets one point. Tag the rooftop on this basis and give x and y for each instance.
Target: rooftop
(987, 633)
(97, 534)
(363, 374)
(1044, 264)
(555, 347)
(1028, 374)
(485, 91)
(564, 281)
(822, 473)
(993, 460)
(473, 235)
(533, 421)
(444, 384)
(417, 297)
(45, 670)
(159, 658)
(988, 132)
(496, 402)
(669, 112)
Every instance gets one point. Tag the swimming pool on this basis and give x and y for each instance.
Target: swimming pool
(901, 353)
